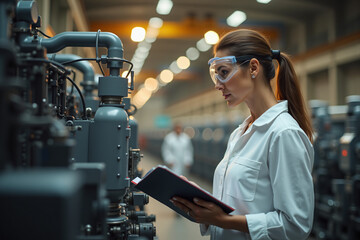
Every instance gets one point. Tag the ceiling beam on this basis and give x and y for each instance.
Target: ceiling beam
(78, 15)
(186, 29)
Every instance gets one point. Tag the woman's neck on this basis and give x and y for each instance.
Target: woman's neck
(259, 102)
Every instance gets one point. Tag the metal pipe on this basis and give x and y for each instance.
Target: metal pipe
(85, 39)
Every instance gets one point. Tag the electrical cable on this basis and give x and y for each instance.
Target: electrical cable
(67, 72)
(74, 79)
(97, 52)
(78, 60)
(123, 60)
(48, 61)
(94, 59)
(81, 96)
(38, 30)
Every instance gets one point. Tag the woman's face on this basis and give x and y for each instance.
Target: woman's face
(238, 87)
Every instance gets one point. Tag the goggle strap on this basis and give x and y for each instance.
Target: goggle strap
(248, 57)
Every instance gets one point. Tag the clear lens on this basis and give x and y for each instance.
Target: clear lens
(223, 69)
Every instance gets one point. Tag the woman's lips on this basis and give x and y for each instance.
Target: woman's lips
(226, 95)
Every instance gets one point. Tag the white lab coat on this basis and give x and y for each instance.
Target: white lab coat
(178, 151)
(266, 176)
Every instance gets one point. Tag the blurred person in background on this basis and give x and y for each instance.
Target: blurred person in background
(177, 150)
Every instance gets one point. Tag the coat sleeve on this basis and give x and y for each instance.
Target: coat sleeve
(166, 152)
(189, 152)
(290, 165)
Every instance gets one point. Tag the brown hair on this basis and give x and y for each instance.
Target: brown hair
(249, 42)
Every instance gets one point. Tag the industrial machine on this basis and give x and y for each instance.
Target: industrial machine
(66, 156)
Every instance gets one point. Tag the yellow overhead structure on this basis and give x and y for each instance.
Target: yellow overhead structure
(186, 29)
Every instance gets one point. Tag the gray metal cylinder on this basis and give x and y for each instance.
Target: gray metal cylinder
(109, 143)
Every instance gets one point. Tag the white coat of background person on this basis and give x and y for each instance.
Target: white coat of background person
(177, 150)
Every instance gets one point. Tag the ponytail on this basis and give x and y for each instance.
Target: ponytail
(288, 88)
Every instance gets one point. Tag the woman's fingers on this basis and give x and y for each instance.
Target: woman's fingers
(180, 205)
(184, 204)
(205, 204)
(183, 177)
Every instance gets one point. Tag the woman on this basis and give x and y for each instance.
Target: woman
(265, 174)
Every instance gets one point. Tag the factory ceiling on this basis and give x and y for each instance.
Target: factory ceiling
(187, 23)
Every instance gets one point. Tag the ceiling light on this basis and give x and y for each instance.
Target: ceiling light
(202, 45)
(138, 34)
(166, 76)
(145, 45)
(155, 22)
(142, 50)
(211, 37)
(183, 62)
(141, 97)
(192, 53)
(236, 18)
(263, 1)
(151, 84)
(174, 67)
(152, 33)
(164, 7)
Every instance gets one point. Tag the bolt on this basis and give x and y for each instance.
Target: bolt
(119, 127)
(118, 146)
(118, 175)
(118, 158)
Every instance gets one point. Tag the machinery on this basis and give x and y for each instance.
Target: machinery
(66, 157)
(336, 171)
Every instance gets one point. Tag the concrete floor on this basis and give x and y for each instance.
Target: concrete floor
(168, 224)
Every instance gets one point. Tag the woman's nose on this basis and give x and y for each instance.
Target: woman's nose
(219, 85)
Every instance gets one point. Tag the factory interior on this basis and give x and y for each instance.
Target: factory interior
(89, 89)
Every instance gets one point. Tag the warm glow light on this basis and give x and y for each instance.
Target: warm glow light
(202, 45)
(151, 84)
(141, 97)
(207, 134)
(344, 152)
(166, 76)
(164, 7)
(138, 34)
(192, 53)
(263, 1)
(183, 62)
(174, 67)
(155, 22)
(124, 76)
(236, 18)
(211, 37)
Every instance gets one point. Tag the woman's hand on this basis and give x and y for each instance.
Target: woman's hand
(193, 183)
(202, 211)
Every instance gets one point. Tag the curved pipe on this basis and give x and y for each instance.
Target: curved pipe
(83, 66)
(86, 39)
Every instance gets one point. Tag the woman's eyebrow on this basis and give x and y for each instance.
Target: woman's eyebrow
(219, 68)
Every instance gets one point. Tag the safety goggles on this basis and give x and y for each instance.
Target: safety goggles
(224, 68)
